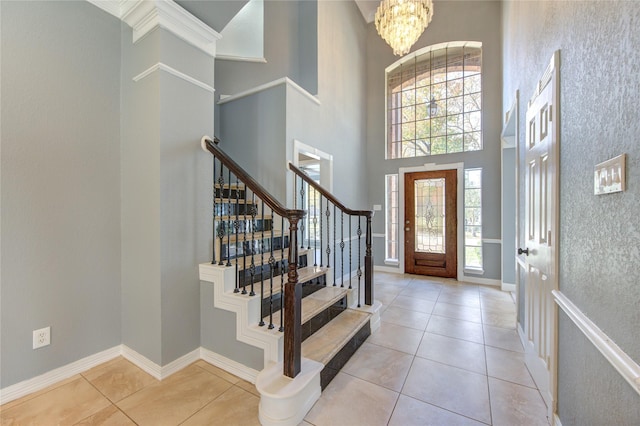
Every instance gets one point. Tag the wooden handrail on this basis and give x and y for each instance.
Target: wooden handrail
(328, 195)
(250, 182)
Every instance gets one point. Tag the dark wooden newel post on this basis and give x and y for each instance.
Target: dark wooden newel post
(293, 305)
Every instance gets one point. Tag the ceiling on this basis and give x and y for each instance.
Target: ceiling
(368, 8)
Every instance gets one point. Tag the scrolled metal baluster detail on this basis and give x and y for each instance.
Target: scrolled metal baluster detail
(221, 226)
(228, 222)
(302, 221)
(309, 219)
(335, 265)
(328, 251)
(342, 248)
(359, 232)
(237, 227)
(321, 254)
(213, 240)
(282, 265)
(261, 245)
(254, 213)
(272, 265)
(350, 240)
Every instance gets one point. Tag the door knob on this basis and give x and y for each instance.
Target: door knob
(525, 251)
(407, 229)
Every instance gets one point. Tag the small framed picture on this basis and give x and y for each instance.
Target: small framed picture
(610, 176)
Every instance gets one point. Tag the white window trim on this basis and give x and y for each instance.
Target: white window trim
(459, 203)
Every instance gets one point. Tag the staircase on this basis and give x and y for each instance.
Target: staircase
(294, 281)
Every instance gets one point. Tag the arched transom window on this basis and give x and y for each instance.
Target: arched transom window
(434, 101)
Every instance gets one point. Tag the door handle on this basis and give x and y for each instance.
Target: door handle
(525, 251)
(407, 229)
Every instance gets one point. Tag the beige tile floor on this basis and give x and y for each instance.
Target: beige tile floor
(446, 354)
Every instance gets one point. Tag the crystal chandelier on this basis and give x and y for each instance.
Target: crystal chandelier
(401, 22)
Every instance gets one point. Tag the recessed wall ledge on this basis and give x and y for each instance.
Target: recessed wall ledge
(284, 80)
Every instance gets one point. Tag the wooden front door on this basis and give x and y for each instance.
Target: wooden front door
(539, 256)
(431, 223)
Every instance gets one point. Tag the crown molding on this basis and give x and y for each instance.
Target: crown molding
(144, 16)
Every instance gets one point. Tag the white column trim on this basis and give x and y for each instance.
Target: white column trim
(164, 67)
(622, 362)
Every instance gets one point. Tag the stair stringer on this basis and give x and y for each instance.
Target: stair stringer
(247, 310)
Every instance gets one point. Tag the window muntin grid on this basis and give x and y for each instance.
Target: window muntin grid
(450, 76)
(392, 218)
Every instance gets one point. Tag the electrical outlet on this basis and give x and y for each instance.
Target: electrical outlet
(41, 337)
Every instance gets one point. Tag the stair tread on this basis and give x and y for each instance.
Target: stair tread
(324, 344)
(314, 303)
(304, 274)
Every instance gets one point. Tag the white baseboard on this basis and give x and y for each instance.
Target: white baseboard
(229, 365)
(160, 372)
(386, 269)
(483, 281)
(52, 377)
(556, 420)
(508, 287)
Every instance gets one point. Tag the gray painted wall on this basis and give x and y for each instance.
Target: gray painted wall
(283, 34)
(218, 332)
(165, 184)
(214, 13)
(599, 236)
(509, 215)
(457, 20)
(60, 184)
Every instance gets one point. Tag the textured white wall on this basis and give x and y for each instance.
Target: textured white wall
(599, 235)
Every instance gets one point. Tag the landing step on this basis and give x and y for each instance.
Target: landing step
(328, 341)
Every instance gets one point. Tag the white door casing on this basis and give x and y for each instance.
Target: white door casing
(541, 225)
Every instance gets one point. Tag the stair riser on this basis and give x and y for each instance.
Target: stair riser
(264, 272)
(342, 357)
(307, 289)
(320, 320)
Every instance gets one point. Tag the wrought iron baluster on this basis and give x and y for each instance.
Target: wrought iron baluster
(252, 268)
(342, 248)
(237, 227)
(302, 221)
(272, 265)
(261, 246)
(221, 226)
(315, 227)
(228, 230)
(245, 243)
(328, 214)
(309, 218)
(282, 266)
(335, 233)
(350, 239)
(321, 254)
(213, 241)
(359, 232)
